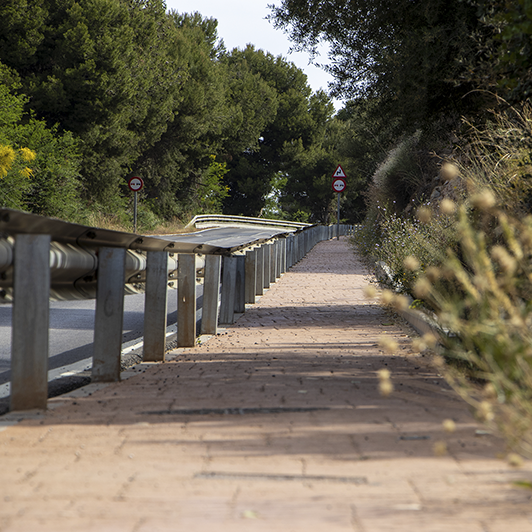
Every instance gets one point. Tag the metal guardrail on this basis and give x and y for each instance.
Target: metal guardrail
(217, 220)
(41, 256)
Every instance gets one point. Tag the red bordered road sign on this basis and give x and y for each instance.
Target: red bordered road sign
(339, 172)
(135, 184)
(338, 184)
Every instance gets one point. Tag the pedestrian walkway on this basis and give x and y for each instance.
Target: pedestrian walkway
(276, 424)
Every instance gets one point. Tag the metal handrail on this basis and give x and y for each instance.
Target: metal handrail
(216, 220)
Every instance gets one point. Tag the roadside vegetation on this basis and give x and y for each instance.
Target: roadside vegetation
(439, 107)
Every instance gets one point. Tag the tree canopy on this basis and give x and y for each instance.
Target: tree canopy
(128, 88)
(413, 56)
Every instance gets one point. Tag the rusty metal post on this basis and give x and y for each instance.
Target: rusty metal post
(186, 300)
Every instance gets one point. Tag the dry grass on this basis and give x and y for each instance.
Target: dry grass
(482, 296)
(115, 223)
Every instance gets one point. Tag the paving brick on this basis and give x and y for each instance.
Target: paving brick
(275, 424)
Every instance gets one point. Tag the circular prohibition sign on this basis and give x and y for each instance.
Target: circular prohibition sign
(338, 184)
(135, 184)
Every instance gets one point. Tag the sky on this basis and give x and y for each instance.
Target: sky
(242, 22)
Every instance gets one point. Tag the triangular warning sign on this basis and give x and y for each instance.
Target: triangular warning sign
(339, 172)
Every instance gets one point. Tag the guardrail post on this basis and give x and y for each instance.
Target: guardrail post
(292, 250)
(211, 294)
(155, 305)
(267, 265)
(289, 251)
(259, 284)
(282, 268)
(29, 347)
(186, 300)
(227, 307)
(279, 257)
(273, 262)
(109, 318)
(240, 285)
(251, 276)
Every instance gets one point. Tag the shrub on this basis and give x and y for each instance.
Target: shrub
(473, 268)
(483, 295)
(393, 239)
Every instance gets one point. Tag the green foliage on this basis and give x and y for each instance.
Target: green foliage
(175, 166)
(399, 176)
(311, 165)
(14, 176)
(43, 176)
(408, 54)
(472, 270)
(213, 191)
(55, 183)
(99, 69)
(283, 116)
(301, 216)
(510, 66)
(272, 206)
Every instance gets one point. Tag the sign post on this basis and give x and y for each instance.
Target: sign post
(338, 185)
(135, 184)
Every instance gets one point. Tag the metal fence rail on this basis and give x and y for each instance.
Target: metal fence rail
(42, 258)
(217, 220)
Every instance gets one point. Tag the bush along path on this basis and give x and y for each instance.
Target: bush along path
(293, 419)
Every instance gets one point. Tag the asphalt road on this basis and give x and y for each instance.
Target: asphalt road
(72, 329)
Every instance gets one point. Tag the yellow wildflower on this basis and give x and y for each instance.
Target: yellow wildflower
(27, 154)
(26, 172)
(7, 157)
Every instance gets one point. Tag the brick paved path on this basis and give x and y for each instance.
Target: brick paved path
(275, 425)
